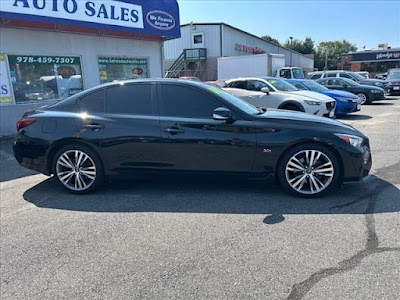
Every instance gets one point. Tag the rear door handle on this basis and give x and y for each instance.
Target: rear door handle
(94, 127)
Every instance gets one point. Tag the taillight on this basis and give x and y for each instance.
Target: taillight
(23, 122)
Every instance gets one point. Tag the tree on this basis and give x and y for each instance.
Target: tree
(331, 51)
(304, 47)
(270, 39)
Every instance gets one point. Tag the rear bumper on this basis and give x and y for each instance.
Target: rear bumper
(31, 155)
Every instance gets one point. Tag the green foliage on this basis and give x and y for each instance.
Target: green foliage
(270, 39)
(304, 47)
(333, 50)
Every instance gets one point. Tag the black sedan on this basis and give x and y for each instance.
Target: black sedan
(177, 126)
(366, 93)
(393, 82)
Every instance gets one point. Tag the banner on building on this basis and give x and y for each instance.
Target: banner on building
(5, 84)
(155, 17)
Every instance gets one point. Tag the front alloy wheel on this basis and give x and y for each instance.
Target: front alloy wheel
(309, 172)
(362, 97)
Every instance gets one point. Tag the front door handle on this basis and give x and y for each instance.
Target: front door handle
(94, 127)
(174, 130)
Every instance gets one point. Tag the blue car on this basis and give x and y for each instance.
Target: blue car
(346, 102)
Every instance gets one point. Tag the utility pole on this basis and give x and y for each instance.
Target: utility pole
(291, 51)
(326, 58)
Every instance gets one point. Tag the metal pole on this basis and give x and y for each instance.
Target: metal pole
(326, 59)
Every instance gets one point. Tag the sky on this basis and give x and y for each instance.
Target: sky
(363, 23)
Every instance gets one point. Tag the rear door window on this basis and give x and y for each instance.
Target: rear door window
(316, 76)
(242, 84)
(134, 99)
(345, 75)
(93, 102)
(186, 102)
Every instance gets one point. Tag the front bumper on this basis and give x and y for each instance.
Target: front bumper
(392, 89)
(345, 107)
(377, 96)
(357, 164)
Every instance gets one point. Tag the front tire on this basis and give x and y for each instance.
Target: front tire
(78, 169)
(291, 107)
(309, 170)
(364, 98)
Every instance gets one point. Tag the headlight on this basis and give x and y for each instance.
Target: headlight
(344, 99)
(310, 102)
(375, 91)
(389, 83)
(379, 84)
(353, 140)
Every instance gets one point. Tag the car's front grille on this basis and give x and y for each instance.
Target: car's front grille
(330, 105)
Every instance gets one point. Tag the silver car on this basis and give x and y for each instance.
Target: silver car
(273, 92)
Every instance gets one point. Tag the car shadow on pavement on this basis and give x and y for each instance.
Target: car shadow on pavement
(353, 117)
(188, 195)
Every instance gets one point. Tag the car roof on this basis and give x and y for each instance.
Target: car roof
(298, 80)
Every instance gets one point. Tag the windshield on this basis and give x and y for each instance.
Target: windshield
(314, 86)
(357, 76)
(240, 104)
(298, 73)
(394, 75)
(281, 85)
(350, 81)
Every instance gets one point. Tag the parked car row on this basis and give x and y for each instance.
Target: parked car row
(271, 92)
(185, 127)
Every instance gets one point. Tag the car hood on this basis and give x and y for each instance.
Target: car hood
(338, 93)
(396, 81)
(371, 81)
(314, 95)
(304, 118)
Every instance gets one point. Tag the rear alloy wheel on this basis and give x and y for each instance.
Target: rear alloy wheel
(363, 97)
(309, 171)
(78, 169)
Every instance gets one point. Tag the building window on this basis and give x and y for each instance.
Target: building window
(41, 78)
(198, 39)
(114, 68)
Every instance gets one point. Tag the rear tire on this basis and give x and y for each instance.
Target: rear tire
(309, 170)
(78, 169)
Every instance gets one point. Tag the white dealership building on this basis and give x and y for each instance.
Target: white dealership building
(50, 50)
(196, 52)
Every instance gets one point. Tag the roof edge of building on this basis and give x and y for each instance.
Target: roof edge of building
(243, 31)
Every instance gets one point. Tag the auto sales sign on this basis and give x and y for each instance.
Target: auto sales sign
(156, 17)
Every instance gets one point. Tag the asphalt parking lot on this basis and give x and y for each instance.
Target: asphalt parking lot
(209, 238)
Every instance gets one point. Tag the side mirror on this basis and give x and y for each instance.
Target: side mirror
(265, 90)
(222, 114)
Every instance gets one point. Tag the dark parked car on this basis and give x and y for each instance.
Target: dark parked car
(393, 82)
(366, 93)
(346, 74)
(179, 126)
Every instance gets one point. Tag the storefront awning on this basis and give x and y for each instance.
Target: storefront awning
(151, 17)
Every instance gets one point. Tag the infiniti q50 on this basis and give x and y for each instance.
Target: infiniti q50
(177, 126)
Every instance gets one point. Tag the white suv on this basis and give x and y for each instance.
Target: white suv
(276, 93)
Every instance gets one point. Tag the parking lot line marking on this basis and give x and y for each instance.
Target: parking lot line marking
(6, 155)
